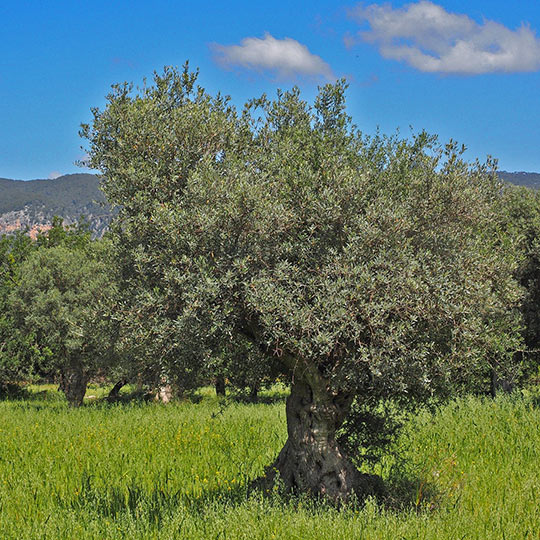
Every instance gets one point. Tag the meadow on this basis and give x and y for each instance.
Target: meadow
(469, 470)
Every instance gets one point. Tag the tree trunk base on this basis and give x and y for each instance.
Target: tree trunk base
(254, 393)
(500, 384)
(311, 462)
(220, 386)
(73, 383)
(335, 478)
(164, 394)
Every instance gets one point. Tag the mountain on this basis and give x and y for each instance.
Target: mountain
(528, 179)
(32, 204)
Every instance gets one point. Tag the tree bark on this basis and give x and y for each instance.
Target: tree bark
(220, 385)
(500, 384)
(254, 392)
(115, 390)
(311, 460)
(73, 383)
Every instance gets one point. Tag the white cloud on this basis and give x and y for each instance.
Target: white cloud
(285, 57)
(54, 174)
(431, 39)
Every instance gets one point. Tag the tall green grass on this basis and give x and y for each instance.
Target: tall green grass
(471, 470)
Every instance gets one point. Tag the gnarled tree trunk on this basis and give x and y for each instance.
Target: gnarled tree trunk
(73, 382)
(311, 460)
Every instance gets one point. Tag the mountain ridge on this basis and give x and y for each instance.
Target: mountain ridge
(31, 204)
(521, 178)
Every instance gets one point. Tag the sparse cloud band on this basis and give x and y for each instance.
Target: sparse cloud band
(286, 58)
(431, 39)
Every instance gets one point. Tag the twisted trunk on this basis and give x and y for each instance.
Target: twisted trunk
(73, 382)
(311, 460)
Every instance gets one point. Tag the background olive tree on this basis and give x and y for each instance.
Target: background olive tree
(365, 267)
(20, 358)
(63, 302)
(520, 217)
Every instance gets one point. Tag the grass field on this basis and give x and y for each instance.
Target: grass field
(472, 470)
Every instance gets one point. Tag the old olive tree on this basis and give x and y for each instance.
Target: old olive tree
(362, 266)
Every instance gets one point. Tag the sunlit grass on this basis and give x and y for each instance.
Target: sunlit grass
(181, 471)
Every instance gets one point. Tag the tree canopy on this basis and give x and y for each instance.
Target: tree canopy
(18, 354)
(62, 302)
(362, 266)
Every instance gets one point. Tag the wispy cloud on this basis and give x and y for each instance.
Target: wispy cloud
(286, 58)
(54, 174)
(120, 61)
(431, 39)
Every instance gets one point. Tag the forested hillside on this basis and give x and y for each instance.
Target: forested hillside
(521, 178)
(32, 204)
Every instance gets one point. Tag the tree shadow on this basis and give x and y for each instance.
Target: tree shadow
(405, 493)
(160, 502)
(23, 398)
(260, 400)
(10, 391)
(151, 506)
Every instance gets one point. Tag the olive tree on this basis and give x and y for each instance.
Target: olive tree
(520, 217)
(19, 357)
(63, 300)
(363, 266)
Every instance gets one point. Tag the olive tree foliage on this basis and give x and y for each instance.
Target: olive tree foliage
(148, 143)
(20, 358)
(63, 299)
(362, 266)
(520, 216)
(241, 367)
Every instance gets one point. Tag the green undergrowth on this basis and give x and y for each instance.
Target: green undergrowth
(134, 471)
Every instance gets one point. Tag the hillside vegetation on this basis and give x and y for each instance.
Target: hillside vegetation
(33, 203)
(527, 179)
(70, 192)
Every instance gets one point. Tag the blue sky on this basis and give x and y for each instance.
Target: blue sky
(468, 70)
